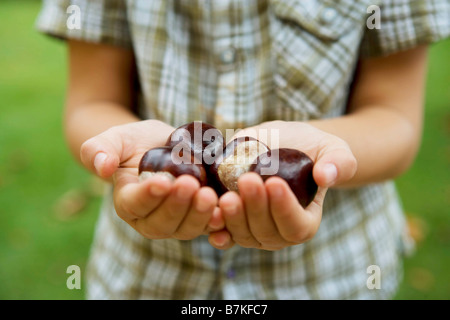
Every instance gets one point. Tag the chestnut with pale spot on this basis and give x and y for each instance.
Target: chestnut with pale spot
(295, 167)
(161, 161)
(237, 158)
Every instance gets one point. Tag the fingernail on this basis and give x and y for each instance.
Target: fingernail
(216, 222)
(276, 192)
(230, 208)
(250, 190)
(182, 194)
(99, 161)
(221, 240)
(157, 191)
(330, 173)
(203, 206)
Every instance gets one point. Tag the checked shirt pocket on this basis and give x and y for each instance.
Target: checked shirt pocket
(315, 46)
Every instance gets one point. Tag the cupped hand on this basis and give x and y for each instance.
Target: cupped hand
(266, 215)
(157, 207)
(334, 162)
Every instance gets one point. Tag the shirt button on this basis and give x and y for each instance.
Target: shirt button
(328, 15)
(228, 56)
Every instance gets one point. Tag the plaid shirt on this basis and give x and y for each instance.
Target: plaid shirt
(235, 64)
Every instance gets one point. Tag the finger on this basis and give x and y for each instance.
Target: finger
(216, 222)
(101, 154)
(221, 240)
(294, 224)
(334, 165)
(166, 218)
(196, 220)
(315, 207)
(137, 200)
(236, 223)
(256, 203)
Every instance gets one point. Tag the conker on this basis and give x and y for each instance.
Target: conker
(203, 140)
(292, 165)
(198, 149)
(164, 160)
(236, 160)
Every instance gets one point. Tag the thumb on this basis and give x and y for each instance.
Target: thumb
(334, 166)
(101, 154)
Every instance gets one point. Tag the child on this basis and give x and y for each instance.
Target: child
(349, 96)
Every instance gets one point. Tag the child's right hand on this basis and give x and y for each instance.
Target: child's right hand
(157, 208)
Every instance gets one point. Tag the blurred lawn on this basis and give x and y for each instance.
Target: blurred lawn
(39, 180)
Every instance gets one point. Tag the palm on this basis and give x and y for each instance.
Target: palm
(137, 140)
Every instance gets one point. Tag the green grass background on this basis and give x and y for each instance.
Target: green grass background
(37, 245)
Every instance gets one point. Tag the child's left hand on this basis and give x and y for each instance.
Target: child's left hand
(267, 215)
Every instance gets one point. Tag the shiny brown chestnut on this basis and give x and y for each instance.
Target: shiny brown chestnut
(237, 158)
(203, 140)
(293, 166)
(164, 160)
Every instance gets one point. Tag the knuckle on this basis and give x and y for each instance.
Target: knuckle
(89, 143)
(349, 165)
(126, 211)
(122, 207)
(143, 206)
(112, 131)
(247, 241)
(298, 236)
(173, 212)
(353, 164)
(267, 238)
(154, 233)
(86, 149)
(184, 235)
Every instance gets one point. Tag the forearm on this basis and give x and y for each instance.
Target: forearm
(383, 142)
(385, 113)
(86, 121)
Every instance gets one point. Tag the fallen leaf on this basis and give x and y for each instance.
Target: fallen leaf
(417, 228)
(421, 279)
(70, 204)
(96, 186)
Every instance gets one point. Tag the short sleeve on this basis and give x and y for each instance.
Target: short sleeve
(406, 24)
(98, 21)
